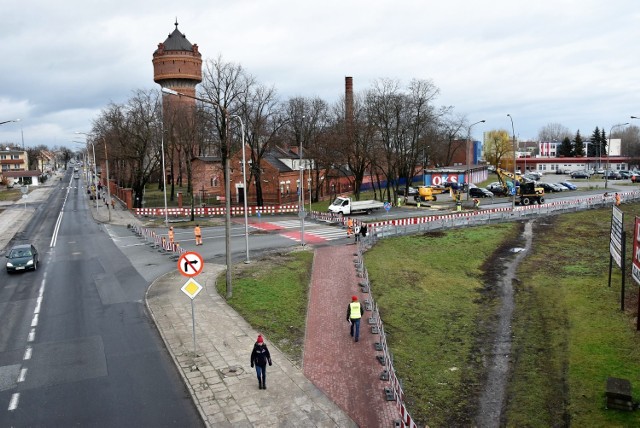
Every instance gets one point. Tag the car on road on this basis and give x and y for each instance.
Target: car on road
(22, 257)
(580, 174)
(479, 192)
(76, 176)
(625, 174)
(569, 185)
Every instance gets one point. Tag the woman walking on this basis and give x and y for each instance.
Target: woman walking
(260, 357)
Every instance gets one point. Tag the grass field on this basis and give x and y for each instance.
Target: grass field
(438, 300)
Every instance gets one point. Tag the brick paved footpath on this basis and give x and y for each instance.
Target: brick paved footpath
(348, 372)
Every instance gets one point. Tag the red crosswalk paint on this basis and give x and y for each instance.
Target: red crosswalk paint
(308, 238)
(266, 226)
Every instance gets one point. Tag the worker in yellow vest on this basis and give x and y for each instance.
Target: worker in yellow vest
(354, 313)
(198, 234)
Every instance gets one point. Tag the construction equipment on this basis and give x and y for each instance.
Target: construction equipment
(526, 192)
(425, 194)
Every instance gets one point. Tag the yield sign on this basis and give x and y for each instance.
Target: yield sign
(190, 264)
(191, 288)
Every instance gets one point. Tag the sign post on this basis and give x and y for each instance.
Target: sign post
(635, 263)
(617, 247)
(190, 264)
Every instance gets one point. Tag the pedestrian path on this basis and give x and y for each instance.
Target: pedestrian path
(347, 371)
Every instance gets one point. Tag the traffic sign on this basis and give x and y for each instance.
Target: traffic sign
(191, 288)
(190, 264)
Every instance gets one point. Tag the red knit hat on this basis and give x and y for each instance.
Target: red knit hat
(260, 340)
(354, 298)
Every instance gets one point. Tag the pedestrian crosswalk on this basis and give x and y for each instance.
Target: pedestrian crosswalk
(313, 232)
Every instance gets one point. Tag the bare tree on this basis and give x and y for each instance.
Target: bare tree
(402, 121)
(554, 132)
(128, 136)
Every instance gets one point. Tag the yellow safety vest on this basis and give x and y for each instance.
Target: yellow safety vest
(355, 310)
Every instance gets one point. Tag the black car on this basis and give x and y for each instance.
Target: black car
(22, 257)
(580, 174)
(479, 192)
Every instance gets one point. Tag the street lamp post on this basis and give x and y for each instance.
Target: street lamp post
(9, 121)
(164, 179)
(106, 160)
(95, 169)
(469, 155)
(606, 172)
(301, 212)
(244, 188)
(513, 133)
(227, 185)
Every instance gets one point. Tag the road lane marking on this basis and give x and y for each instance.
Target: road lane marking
(27, 353)
(23, 375)
(38, 304)
(34, 321)
(13, 404)
(32, 335)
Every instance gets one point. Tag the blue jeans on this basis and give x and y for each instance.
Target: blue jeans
(355, 328)
(261, 372)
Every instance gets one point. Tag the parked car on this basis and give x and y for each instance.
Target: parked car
(612, 175)
(22, 257)
(568, 185)
(561, 186)
(549, 187)
(496, 188)
(580, 174)
(625, 174)
(535, 175)
(479, 192)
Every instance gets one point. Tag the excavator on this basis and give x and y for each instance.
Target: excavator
(526, 192)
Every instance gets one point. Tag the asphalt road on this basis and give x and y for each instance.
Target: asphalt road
(77, 347)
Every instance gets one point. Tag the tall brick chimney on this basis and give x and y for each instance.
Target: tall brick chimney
(348, 107)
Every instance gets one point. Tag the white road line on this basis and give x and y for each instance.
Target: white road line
(38, 304)
(27, 353)
(23, 375)
(41, 291)
(13, 404)
(34, 321)
(32, 335)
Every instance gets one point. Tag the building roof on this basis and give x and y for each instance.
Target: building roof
(16, 174)
(177, 41)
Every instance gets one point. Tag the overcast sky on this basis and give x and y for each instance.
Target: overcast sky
(573, 62)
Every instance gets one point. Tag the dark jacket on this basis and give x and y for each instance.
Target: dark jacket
(260, 355)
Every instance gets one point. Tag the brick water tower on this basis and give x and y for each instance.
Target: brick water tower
(177, 65)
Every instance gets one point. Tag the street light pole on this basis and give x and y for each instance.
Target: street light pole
(106, 160)
(95, 169)
(606, 172)
(301, 212)
(164, 179)
(227, 192)
(469, 155)
(9, 121)
(515, 190)
(244, 188)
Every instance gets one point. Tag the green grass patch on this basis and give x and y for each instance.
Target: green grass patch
(10, 194)
(438, 296)
(271, 295)
(431, 295)
(569, 332)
